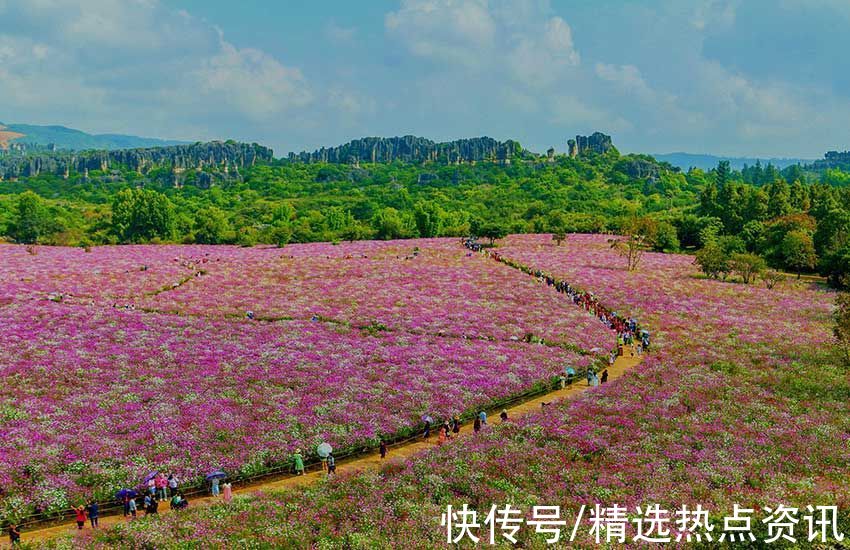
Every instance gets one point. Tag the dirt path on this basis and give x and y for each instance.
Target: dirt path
(370, 461)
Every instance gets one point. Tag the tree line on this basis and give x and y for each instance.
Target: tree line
(739, 223)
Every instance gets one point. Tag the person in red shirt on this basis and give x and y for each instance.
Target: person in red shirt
(80, 512)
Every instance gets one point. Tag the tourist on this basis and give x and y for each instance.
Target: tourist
(331, 464)
(483, 416)
(161, 483)
(179, 502)
(80, 513)
(383, 449)
(504, 415)
(427, 433)
(126, 502)
(298, 461)
(442, 435)
(448, 429)
(589, 376)
(147, 503)
(14, 535)
(456, 425)
(94, 513)
(172, 484)
(131, 507)
(476, 426)
(604, 376)
(152, 486)
(214, 486)
(227, 492)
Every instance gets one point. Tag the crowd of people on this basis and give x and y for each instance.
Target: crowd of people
(629, 332)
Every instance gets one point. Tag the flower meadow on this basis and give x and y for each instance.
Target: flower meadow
(125, 360)
(740, 400)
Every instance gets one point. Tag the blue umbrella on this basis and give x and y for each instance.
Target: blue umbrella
(150, 476)
(218, 474)
(571, 370)
(125, 493)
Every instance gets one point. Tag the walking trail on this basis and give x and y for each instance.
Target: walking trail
(371, 461)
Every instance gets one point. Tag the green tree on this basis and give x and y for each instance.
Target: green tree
(211, 226)
(388, 224)
(31, 220)
(747, 266)
(429, 218)
(666, 239)
(798, 251)
(835, 265)
(140, 215)
(713, 260)
(493, 230)
(280, 234)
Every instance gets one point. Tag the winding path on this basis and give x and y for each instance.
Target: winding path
(365, 462)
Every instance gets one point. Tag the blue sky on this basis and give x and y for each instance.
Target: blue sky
(735, 77)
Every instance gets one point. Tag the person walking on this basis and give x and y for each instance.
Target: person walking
(589, 376)
(455, 425)
(504, 415)
(383, 449)
(126, 502)
(427, 433)
(483, 416)
(604, 376)
(80, 514)
(94, 513)
(298, 462)
(147, 503)
(331, 465)
(214, 487)
(228, 492)
(476, 426)
(172, 485)
(131, 507)
(14, 535)
(441, 435)
(161, 484)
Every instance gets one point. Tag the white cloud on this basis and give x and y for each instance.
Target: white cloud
(456, 31)
(136, 66)
(252, 82)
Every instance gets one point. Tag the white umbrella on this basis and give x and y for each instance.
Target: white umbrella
(323, 450)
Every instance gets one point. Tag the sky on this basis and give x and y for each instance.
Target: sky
(766, 78)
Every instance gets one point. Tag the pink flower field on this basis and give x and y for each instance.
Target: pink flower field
(111, 370)
(741, 400)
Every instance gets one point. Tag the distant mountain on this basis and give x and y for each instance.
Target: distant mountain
(707, 162)
(68, 138)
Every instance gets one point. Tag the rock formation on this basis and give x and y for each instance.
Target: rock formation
(594, 143)
(833, 160)
(223, 158)
(414, 149)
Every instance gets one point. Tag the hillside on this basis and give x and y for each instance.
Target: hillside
(69, 138)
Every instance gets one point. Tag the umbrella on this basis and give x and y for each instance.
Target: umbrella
(571, 370)
(150, 476)
(130, 493)
(218, 474)
(323, 450)
(595, 350)
(428, 419)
